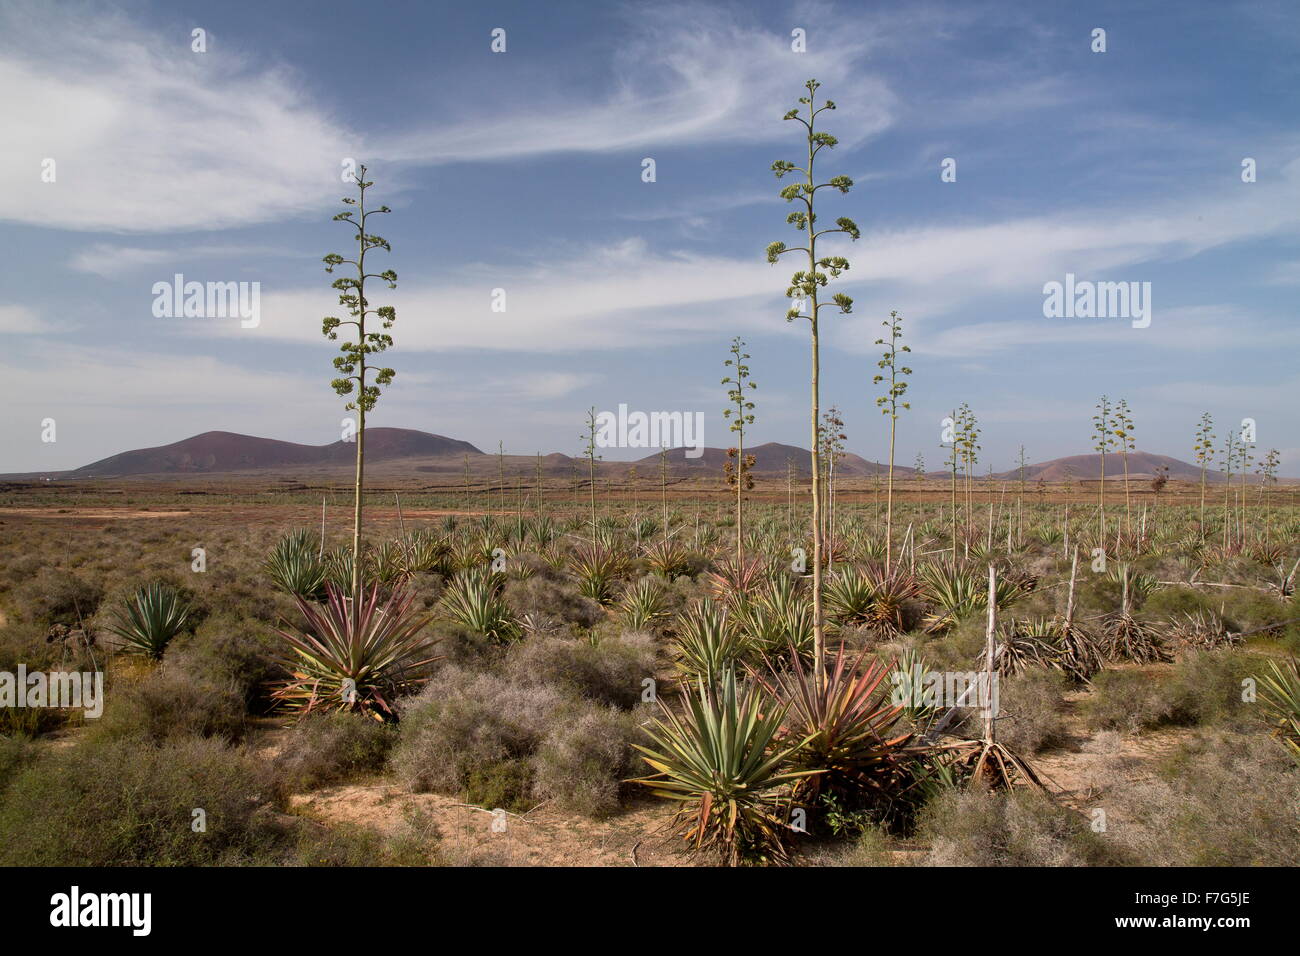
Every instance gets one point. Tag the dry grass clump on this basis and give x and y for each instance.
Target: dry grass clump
(58, 596)
(550, 597)
(1223, 800)
(1000, 828)
(609, 672)
(324, 749)
(130, 803)
(16, 752)
(229, 649)
(497, 742)
(1032, 705)
(168, 704)
(472, 734)
(582, 762)
(1204, 687)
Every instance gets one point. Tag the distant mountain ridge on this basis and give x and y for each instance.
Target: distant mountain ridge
(216, 452)
(1141, 464)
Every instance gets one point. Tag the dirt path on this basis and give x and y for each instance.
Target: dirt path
(541, 837)
(97, 513)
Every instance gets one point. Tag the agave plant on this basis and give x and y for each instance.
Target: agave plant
(388, 565)
(730, 578)
(779, 616)
(956, 592)
(1280, 694)
(1202, 630)
(424, 552)
(707, 641)
(295, 566)
(642, 605)
(669, 557)
(849, 595)
(1124, 638)
(1047, 642)
(472, 599)
(150, 620)
(892, 592)
(846, 725)
(598, 569)
(1137, 585)
(721, 762)
(338, 568)
(355, 655)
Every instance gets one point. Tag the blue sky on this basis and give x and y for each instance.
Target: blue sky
(522, 171)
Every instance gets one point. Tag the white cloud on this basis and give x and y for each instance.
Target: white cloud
(627, 294)
(20, 320)
(109, 260)
(148, 136)
(683, 75)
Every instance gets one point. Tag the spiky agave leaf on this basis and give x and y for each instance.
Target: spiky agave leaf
(643, 605)
(597, 568)
(779, 616)
(149, 621)
(295, 566)
(730, 577)
(1124, 638)
(707, 641)
(721, 761)
(355, 655)
(847, 725)
(1280, 694)
(473, 600)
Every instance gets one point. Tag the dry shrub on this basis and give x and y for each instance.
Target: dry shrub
(1126, 700)
(225, 648)
(999, 828)
(16, 753)
(1204, 687)
(547, 596)
(169, 704)
(583, 760)
(610, 672)
(129, 803)
(58, 596)
(1224, 800)
(324, 749)
(1032, 706)
(472, 735)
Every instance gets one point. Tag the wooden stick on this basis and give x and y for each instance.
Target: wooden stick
(989, 644)
(1069, 604)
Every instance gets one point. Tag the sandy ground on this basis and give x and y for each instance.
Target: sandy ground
(91, 513)
(540, 837)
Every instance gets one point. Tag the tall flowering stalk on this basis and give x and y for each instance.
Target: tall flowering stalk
(804, 291)
(352, 363)
(889, 404)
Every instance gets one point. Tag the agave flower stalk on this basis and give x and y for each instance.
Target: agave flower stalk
(1204, 449)
(739, 414)
(889, 404)
(804, 292)
(352, 363)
